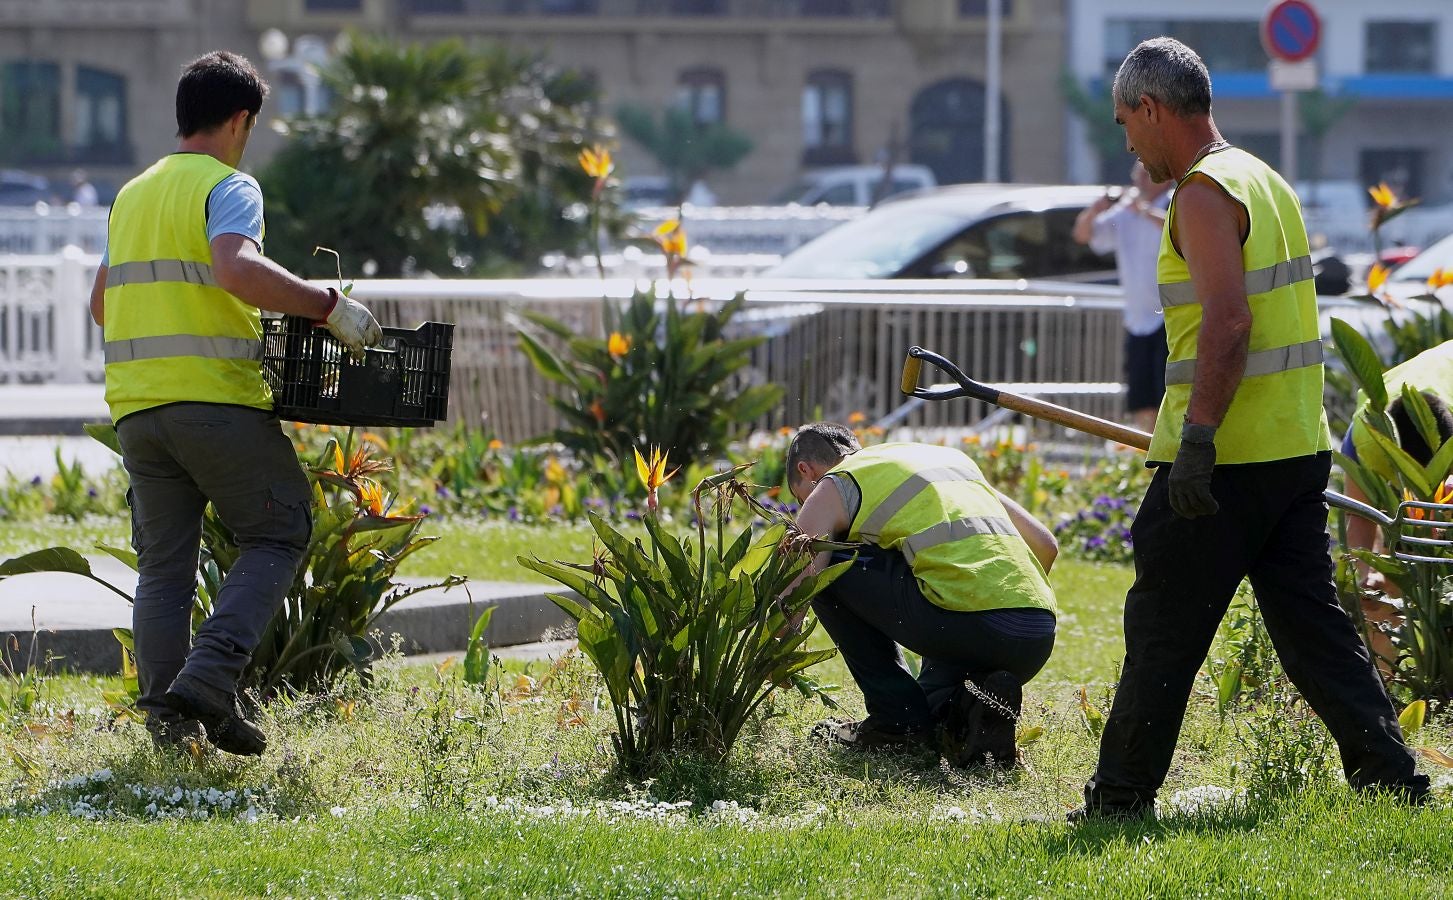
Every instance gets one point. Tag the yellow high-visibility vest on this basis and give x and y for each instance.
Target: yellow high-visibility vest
(1430, 371)
(932, 504)
(171, 334)
(1277, 411)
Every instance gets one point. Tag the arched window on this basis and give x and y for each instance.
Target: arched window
(702, 92)
(827, 118)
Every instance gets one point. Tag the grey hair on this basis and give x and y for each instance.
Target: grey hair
(823, 443)
(1167, 70)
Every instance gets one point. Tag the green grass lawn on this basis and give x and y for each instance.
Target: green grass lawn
(421, 785)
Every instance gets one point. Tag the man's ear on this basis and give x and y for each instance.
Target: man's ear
(1150, 108)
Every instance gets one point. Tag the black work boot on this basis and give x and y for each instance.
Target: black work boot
(978, 726)
(175, 735)
(1088, 813)
(869, 734)
(218, 712)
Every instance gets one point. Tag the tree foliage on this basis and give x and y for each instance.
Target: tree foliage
(686, 149)
(444, 158)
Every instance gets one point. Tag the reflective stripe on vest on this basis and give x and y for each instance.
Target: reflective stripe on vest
(872, 527)
(1258, 281)
(1262, 362)
(932, 504)
(948, 532)
(1276, 411)
(165, 345)
(151, 271)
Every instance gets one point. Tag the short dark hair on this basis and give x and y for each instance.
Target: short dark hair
(1167, 70)
(823, 443)
(212, 90)
(1410, 437)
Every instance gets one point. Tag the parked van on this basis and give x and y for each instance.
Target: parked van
(853, 185)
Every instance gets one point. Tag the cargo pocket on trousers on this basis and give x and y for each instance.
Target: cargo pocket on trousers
(136, 542)
(290, 505)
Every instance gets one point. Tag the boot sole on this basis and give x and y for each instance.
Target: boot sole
(220, 729)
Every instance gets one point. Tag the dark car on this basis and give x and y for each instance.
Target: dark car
(962, 231)
(22, 188)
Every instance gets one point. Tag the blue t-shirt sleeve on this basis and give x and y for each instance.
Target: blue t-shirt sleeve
(233, 207)
(1349, 449)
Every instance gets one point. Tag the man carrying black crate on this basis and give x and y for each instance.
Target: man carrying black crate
(178, 295)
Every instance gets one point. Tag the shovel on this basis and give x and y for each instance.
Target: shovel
(1420, 529)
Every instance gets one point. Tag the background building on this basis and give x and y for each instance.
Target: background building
(813, 82)
(1393, 61)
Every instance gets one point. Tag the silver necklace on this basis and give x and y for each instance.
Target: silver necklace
(1217, 144)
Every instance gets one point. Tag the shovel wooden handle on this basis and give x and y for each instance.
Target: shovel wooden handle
(1050, 412)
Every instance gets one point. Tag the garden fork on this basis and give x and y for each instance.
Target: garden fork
(1423, 530)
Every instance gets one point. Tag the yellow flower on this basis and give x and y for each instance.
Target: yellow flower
(856, 418)
(371, 496)
(324, 428)
(496, 444)
(1440, 278)
(670, 237)
(618, 345)
(596, 162)
(1383, 196)
(1376, 277)
(653, 474)
(554, 472)
(785, 430)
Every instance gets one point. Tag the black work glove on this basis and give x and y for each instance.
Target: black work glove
(1190, 475)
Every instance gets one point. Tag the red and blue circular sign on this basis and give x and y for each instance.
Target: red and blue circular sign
(1291, 30)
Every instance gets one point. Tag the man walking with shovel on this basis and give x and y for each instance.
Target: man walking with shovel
(1241, 451)
(178, 295)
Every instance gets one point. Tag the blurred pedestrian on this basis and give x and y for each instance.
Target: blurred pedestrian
(1129, 225)
(83, 193)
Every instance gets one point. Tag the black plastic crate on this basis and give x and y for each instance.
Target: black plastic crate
(403, 381)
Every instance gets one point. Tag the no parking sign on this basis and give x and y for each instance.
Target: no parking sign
(1291, 30)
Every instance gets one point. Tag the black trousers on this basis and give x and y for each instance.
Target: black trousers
(1272, 528)
(876, 606)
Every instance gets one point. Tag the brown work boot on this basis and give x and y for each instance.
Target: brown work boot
(870, 734)
(977, 730)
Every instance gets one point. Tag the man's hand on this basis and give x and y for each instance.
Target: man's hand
(352, 323)
(1190, 475)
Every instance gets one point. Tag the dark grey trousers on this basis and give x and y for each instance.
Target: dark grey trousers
(876, 607)
(179, 457)
(1272, 528)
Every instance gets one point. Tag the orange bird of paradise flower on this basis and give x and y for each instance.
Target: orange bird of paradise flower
(653, 474)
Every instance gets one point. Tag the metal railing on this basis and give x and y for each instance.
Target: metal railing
(42, 229)
(835, 347)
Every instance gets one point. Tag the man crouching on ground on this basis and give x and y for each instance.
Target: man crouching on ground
(952, 570)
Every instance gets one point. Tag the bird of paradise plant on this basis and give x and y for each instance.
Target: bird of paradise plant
(691, 637)
(670, 236)
(597, 163)
(1386, 207)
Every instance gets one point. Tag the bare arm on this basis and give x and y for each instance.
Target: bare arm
(1209, 227)
(252, 278)
(1085, 221)
(1039, 538)
(98, 297)
(823, 516)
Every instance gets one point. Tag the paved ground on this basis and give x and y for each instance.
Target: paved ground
(71, 617)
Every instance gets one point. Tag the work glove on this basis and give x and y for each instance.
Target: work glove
(1190, 475)
(352, 324)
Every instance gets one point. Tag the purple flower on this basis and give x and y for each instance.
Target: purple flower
(35, 481)
(633, 515)
(1095, 543)
(425, 509)
(514, 513)
(442, 491)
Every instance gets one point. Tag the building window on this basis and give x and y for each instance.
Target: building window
(702, 92)
(862, 9)
(1402, 47)
(1401, 168)
(100, 112)
(697, 7)
(316, 6)
(436, 7)
(1225, 45)
(980, 8)
(827, 119)
(30, 110)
